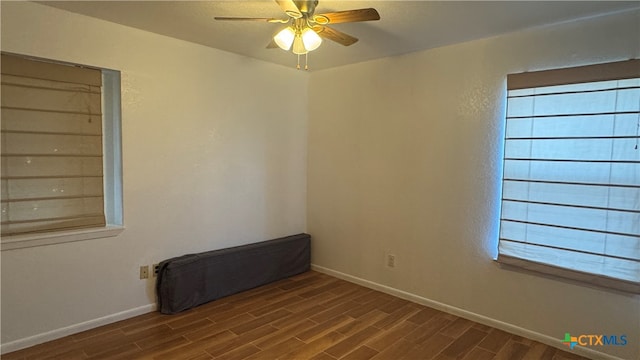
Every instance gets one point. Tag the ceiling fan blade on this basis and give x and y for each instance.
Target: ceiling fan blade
(347, 16)
(272, 45)
(290, 8)
(270, 20)
(335, 35)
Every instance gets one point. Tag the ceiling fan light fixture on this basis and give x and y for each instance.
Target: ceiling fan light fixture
(310, 39)
(285, 38)
(298, 46)
(306, 30)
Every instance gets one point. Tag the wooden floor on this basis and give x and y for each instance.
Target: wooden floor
(309, 316)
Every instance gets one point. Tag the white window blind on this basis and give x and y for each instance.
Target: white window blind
(52, 168)
(571, 181)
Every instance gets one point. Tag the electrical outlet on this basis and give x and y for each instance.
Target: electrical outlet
(156, 268)
(144, 272)
(391, 260)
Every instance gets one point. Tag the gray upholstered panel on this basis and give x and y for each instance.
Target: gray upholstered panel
(191, 280)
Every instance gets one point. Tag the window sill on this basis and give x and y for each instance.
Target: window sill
(27, 241)
(600, 281)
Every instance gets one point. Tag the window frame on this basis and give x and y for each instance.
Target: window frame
(576, 75)
(112, 172)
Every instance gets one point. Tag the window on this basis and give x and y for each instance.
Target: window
(58, 175)
(571, 181)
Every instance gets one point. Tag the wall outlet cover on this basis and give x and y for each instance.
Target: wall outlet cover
(144, 272)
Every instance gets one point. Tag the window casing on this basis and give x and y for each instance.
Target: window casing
(60, 181)
(571, 181)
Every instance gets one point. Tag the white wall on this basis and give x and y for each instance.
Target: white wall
(404, 157)
(210, 160)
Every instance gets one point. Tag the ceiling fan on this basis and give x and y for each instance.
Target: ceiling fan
(306, 29)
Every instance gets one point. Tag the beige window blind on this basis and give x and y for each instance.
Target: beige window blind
(571, 181)
(52, 169)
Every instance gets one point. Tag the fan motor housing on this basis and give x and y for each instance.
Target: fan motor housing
(306, 7)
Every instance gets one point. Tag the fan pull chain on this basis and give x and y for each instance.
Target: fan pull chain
(306, 62)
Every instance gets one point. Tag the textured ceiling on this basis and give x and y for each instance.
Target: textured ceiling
(405, 26)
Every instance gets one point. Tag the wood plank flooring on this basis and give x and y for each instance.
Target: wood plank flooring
(309, 316)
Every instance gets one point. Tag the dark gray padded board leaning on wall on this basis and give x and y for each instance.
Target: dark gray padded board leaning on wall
(190, 280)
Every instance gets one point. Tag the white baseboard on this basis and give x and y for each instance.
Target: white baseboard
(74, 329)
(513, 329)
